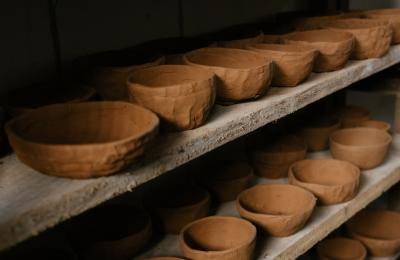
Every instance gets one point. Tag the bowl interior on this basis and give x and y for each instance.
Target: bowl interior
(360, 136)
(178, 196)
(319, 36)
(341, 248)
(291, 48)
(356, 23)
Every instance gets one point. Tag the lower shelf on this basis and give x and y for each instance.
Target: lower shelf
(324, 219)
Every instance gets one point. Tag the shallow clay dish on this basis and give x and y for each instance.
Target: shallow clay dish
(381, 125)
(279, 209)
(378, 230)
(179, 205)
(316, 134)
(372, 36)
(182, 95)
(363, 146)
(82, 140)
(334, 47)
(241, 43)
(353, 116)
(331, 181)
(218, 238)
(241, 74)
(341, 248)
(293, 63)
(391, 15)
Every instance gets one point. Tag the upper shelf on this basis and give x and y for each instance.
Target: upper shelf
(32, 202)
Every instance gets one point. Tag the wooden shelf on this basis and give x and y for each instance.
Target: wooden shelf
(324, 219)
(31, 202)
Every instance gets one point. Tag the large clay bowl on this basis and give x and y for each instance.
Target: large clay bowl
(82, 140)
(372, 36)
(241, 74)
(278, 209)
(218, 238)
(182, 95)
(353, 116)
(363, 146)
(293, 63)
(334, 47)
(392, 16)
(316, 134)
(331, 181)
(381, 125)
(378, 230)
(241, 43)
(176, 206)
(341, 248)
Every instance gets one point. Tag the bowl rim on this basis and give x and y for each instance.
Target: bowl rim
(352, 129)
(349, 36)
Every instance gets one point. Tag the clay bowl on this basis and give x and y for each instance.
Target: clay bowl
(278, 209)
(241, 43)
(362, 146)
(241, 74)
(272, 159)
(316, 134)
(391, 16)
(82, 140)
(331, 181)
(293, 63)
(381, 125)
(218, 238)
(372, 36)
(334, 47)
(181, 95)
(341, 248)
(176, 206)
(353, 116)
(378, 230)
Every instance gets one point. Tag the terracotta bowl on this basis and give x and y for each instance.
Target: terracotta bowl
(334, 47)
(314, 22)
(381, 125)
(182, 95)
(341, 248)
(353, 116)
(241, 43)
(278, 209)
(271, 38)
(363, 146)
(372, 36)
(293, 63)
(331, 181)
(176, 206)
(272, 159)
(390, 15)
(82, 140)
(378, 230)
(316, 134)
(242, 74)
(218, 238)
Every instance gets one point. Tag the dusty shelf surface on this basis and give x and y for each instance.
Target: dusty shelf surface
(31, 202)
(324, 219)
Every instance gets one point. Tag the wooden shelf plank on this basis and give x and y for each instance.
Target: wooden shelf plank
(31, 202)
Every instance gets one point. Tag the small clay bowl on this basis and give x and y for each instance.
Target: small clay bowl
(390, 15)
(363, 146)
(341, 248)
(82, 140)
(278, 209)
(181, 95)
(372, 36)
(293, 63)
(334, 47)
(241, 74)
(218, 238)
(378, 230)
(381, 125)
(331, 181)
(353, 116)
(316, 134)
(176, 206)
(241, 43)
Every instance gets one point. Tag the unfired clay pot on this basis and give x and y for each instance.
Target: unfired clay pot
(378, 230)
(271, 38)
(390, 15)
(314, 22)
(182, 95)
(218, 238)
(241, 74)
(381, 125)
(278, 209)
(293, 63)
(316, 134)
(82, 140)
(341, 248)
(372, 36)
(331, 181)
(179, 205)
(353, 116)
(334, 47)
(241, 43)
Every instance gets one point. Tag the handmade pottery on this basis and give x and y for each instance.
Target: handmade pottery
(331, 181)
(218, 238)
(241, 74)
(182, 95)
(353, 116)
(341, 248)
(293, 63)
(271, 38)
(278, 209)
(378, 230)
(316, 134)
(365, 147)
(241, 43)
(314, 22)
(390, 15)
(82, 140)
(381, 125)
(334, 47)
(372, 36)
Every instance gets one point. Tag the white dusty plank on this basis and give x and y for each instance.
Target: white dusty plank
(31, 202)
